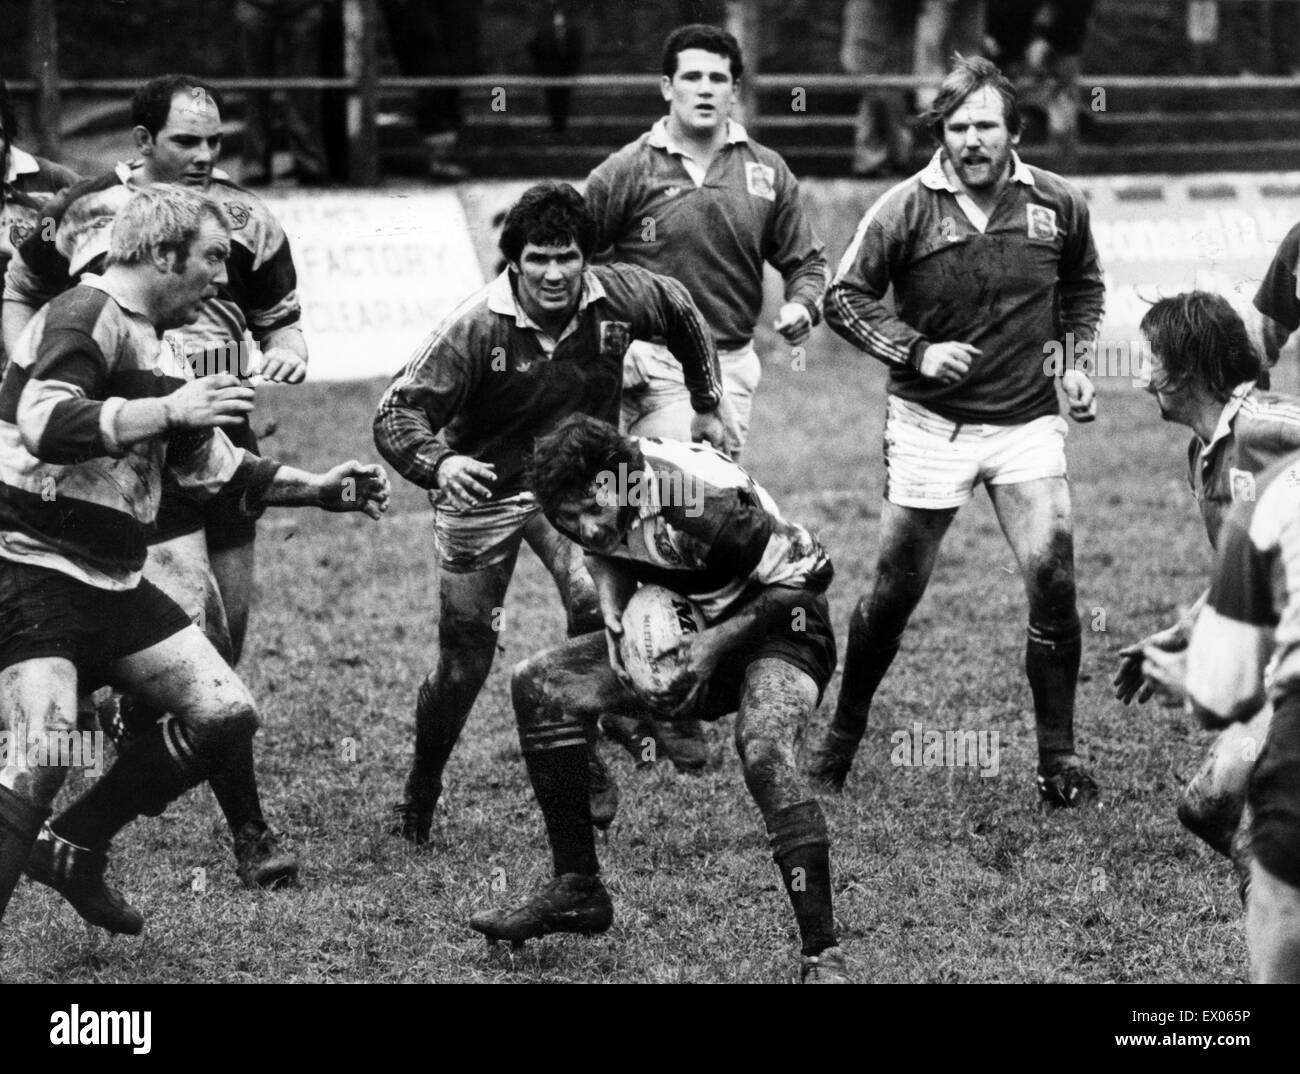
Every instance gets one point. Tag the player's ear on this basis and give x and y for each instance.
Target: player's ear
(666, 87)
(143, 141)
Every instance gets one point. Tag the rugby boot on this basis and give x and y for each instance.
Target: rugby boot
(1067, 785)
(571, 902)
(828, 967)
(685, 743)
(78, 875)
(413, 815)
(260, 860)
(829, 764)
(604, 791)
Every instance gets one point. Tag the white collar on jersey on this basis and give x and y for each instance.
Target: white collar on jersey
(933, 175)
(20, 163)
(1229, 411)
(501, 297)
(98, 283)
(659, 136)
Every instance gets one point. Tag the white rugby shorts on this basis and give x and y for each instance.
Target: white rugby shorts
(934, 463)
(657, 404)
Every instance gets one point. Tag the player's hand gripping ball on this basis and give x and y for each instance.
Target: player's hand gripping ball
(654, 623)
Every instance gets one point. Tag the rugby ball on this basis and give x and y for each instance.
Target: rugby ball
(654, 620)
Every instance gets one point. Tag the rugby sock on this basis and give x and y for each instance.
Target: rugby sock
(801, 850)
(20, 824)
(235, 787)
(562, 785)
(157, 769)
(865, 665)
(1052, 668)
(434, 738)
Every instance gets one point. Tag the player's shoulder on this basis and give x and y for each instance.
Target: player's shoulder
(701, 464)
(1055, 186)
(763, 154)
(1288, 250)
(623, 282)
(1267, 418)
(250, 218)
(625, 159)
(1275, 507)
(84, 309)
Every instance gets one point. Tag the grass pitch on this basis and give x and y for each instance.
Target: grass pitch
(940, 874)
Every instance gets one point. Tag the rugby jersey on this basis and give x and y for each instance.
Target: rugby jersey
(706, 529)
(27, 184)
(487, 383)
(713, 236)
(260, 295)
(1253, 611)
(1278, 296)
(72, 498)
(1010, 285)
(1255, 430)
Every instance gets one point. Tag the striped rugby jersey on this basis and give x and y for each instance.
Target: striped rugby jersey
(260, 296)
(1011, 284)
(72, 499)
(706, 529)
(1253, 612)
(488, 381)
(1255, 430)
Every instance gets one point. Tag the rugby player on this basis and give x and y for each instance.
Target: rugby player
(91, 406)
(990, 261)
(544, 340)
(1202, 373)
(697, 199)
(767, 653)
(26, 183)
(202, 552)
(1240, 632)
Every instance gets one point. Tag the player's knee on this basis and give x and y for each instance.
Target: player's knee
(583, 611)
(529, 693)
(229, 720)
(1211, 817)
(1052, 593)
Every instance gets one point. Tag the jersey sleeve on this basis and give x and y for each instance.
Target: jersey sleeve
(1277, 296)
(607, 207)
(855, 307)
(665, 309)
(1080, 284)
(271, 302)
(793, 250)
(61, 414)
(422, 399)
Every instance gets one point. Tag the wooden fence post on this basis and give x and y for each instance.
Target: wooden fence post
(363, 99)
(43, 62)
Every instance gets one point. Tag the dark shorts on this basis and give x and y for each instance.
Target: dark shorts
(47, 614)
(227, 526)
(810, 649)
(1274, 794)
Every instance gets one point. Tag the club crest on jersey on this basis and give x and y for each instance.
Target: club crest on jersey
(615, 338)
(1042, 222)
(760, 179)
(1243, 485)
(238, 214)
(19, 233)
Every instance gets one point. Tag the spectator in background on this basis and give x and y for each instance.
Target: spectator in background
(436, 39)
(282, 37)
(25, 182)
(894, 37)
(1039, 42)
(556, 50)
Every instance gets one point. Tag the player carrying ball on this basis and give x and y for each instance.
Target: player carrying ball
(767, 652)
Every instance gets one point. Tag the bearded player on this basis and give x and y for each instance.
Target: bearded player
(706, 530)
(202, 551)
(990, 261)
(1202, 373)
(92, 407)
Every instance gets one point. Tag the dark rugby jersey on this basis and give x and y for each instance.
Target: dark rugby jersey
(1253, 612)
(1026, 280)
(1255, 430)
(706, 529)
(1278, 296)
(259, 297)
(484, 385)
(72, 498)
(713, 237)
